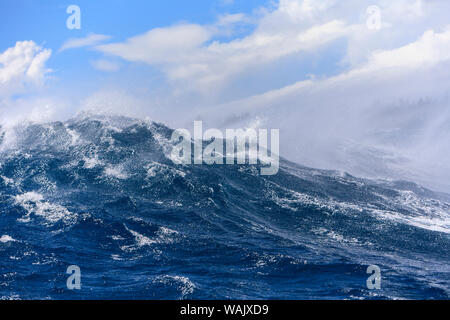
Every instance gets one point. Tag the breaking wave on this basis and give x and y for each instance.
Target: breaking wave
(101, 192)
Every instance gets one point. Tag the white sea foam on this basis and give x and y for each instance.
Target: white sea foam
(11, 297)
(163, 236)
(141, 240)
(75, 137)
(337, 237)
(7, 181)
(430, 214)
(116, 172)
(164, 143)
(90, 163)
(34, 204)
(5, 238)
(155, 168)
(183, 284)
(116, 257)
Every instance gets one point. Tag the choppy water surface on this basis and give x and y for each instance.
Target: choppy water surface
(102, 193)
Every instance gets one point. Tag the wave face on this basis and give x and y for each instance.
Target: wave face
(101, 193)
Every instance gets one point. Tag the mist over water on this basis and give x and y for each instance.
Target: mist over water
(383, 124)
(387, 138)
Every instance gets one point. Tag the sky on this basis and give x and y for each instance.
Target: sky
(360, 86)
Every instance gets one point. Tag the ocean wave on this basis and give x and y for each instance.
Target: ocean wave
(103, 193)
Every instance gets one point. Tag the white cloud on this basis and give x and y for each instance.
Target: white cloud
(23, 73)
(90, 40)
(230, 19)
(22, 66)
(160, 45)
(105, 65)
(186, 54)
(430, 48)
(193, 59)
(298, 10)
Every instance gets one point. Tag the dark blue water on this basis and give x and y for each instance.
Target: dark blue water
(100, 193)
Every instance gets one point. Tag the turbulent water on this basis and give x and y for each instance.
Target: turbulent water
(102, 193)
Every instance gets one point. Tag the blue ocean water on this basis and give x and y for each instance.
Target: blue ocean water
(101, 193)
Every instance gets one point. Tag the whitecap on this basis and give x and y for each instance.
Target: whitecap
(5, 238)
(34, 203)
(116, 172)
(183, 284)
